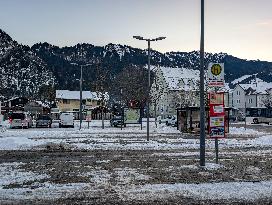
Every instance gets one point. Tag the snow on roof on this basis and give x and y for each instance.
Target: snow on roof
(175, 76)
(43, 104)
(258, 87)
(75, 95)
(238, 80)
(225, 88)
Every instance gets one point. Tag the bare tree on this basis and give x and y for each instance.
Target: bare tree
(132, 83)
(267, 100)
(155, 95)
(101, 85)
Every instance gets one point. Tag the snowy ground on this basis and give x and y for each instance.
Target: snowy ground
(114, 166)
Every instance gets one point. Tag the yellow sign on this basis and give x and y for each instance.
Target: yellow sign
(216, 74)
(216, 69)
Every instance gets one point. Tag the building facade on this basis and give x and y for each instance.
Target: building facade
(69, 101)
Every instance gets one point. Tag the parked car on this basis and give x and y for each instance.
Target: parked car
(66, 120)
(20, 120)
(172, 122)
(117, 120)
(43, 121)
(161, 120)
(169, 121)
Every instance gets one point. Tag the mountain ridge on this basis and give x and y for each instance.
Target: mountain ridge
(61, 71)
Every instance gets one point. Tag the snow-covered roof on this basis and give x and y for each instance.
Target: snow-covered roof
(257, 86)
(238, 80)
(180, 78)
(43, 104)
(75, 95)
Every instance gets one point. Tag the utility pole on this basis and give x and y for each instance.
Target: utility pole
(202, 104)
(147, 109)
(80, 107)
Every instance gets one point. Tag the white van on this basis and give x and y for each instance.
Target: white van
(20, 120)
(66, 120)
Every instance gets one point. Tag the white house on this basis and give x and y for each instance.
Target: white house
(172, 88)
(250, 95)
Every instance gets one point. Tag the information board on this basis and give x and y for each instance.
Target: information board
(132, 116)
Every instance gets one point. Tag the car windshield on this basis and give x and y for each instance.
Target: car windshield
(20, 116)
(44, 117)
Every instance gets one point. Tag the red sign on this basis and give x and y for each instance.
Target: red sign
(216, 115)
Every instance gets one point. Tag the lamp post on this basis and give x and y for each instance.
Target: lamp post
(202, 105)
(148, 43)
(80, 88)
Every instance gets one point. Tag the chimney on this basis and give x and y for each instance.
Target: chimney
(256, 80)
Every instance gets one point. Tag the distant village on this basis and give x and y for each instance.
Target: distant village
(172, 88)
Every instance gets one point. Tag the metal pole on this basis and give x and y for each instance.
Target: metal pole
(80, 108)
(216, 150)
(245, 115)
(147, 110)
(202, 105)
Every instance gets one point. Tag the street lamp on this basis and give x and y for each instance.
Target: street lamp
(80, 87)
(148, 41)
(202, 105)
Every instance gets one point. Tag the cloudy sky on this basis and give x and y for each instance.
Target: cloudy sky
(242, 28)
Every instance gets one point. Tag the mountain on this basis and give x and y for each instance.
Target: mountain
(26, 70)
(22, 72)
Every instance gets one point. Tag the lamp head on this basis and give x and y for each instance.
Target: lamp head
(138, 37)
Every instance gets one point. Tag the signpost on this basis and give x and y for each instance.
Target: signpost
(89, 117)
(132, 116)
(216, 74)
(216, 104)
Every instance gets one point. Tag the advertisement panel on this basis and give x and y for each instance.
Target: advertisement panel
(217, 121)
(132, 115)
(216, 115)
(217, 132)
(89, 116)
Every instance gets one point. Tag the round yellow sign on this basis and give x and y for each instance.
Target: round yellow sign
(216, 69)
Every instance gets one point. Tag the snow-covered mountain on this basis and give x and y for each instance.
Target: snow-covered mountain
(25, 70)
(22, 73)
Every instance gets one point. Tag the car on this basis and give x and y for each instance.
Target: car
(161, 120)
(43, 121)
(20, 120)
(117, 120)
(170, 120)
(66, 120)
(233, 118)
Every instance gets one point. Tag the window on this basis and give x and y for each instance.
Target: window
(238, 101)
(65, 101)
(250, 100)
(238, 92)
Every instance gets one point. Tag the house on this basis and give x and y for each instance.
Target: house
(173, 88)
(69, 101)
(250, 95)
(37, 108)
(13, 104)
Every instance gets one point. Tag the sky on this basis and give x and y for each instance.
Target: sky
(242, 28)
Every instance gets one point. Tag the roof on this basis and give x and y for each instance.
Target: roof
(175, 76)
(75, 95)
(257, 87)
(225, 88)
(43, 104)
